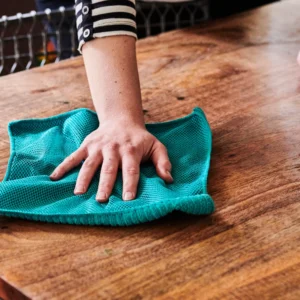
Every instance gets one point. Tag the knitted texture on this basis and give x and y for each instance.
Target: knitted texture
(38, 146)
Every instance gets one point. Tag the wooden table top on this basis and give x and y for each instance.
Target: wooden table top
(242, 72)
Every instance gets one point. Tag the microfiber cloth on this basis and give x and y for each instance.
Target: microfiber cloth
(39, 145)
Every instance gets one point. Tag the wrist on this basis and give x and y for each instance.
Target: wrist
(122, 119)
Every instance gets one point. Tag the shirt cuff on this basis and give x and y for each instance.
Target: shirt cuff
(102, 18)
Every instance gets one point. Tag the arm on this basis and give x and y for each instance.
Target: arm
(121, 141)
(114, 85)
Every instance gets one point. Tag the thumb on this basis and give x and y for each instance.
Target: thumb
(161, 161)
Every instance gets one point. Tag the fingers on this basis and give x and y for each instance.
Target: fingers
(161, 161)
(110, 157)
(87, 172)
(108, 173)
(130, 173)
(68, 163)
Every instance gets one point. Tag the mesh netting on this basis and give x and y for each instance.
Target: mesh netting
(37, 38)
(38, 146)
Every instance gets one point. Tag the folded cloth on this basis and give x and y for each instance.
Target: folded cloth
(39, 145)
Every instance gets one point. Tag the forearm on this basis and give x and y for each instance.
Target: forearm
(112, 73)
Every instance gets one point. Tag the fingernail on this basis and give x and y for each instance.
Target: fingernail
(101, 196)
(128, 196)
(79, 189)
(168, 172)
(53, 174)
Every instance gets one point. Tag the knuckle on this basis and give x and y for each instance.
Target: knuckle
(108, 169)
(112, 146)
(130, 149)
(82, 178)
(104, 185)
(71, 158)
(85, 144)
(129, 184)
(83, 150)
(128, 187)
(98, 152)
(131, 171)
(88, 163)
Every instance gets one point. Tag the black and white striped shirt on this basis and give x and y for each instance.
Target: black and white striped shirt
(101, 18)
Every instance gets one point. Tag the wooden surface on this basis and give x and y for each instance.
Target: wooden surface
(242, 71)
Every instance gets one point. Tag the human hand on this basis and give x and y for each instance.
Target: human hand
(115, 146)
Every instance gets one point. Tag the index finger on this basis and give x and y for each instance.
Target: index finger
(69, 163)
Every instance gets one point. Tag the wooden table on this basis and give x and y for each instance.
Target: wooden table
(242, 71)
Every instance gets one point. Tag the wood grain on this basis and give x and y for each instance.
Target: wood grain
(242, 72)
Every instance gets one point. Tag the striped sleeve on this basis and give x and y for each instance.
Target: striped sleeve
(101, 18)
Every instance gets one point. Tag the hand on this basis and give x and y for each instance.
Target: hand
(123, 146)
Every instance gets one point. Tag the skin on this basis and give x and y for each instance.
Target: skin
(122, 140)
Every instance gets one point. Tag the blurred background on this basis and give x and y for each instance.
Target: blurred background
(37, 32)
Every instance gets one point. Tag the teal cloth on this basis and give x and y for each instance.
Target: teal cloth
(39, 145)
